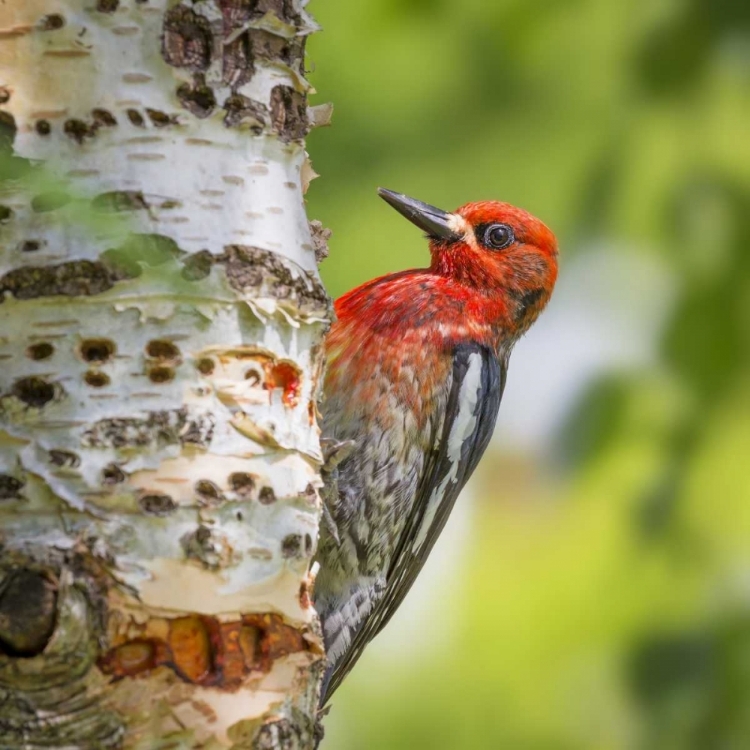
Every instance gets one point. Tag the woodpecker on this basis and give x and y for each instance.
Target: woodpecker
(416, 367)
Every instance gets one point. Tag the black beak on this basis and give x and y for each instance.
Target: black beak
(435, 222)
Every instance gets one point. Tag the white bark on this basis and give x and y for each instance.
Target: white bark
(160, 324)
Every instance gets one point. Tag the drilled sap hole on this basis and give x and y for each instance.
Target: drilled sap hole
(103, 117)
(64, 459)
(161, 374)
(78, 130)
(51, 22)
(292, 546)
(267, 496)
(42, 127)
(6, 214)
(205, 365)
(113, 474)
(34, 392)
(42, 350)
(96, 379)
(208, 492)
(10, 487)
(198, 98)
(136, 118)
(97, 350)
(163, 350)
(107, 6)
(4, 95)
(30, 246)
(157, 505)
(241, 483)
(160, 119)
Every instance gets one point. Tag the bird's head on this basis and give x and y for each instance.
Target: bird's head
(491, 246)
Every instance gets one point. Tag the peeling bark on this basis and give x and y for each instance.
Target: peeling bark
(160, 322)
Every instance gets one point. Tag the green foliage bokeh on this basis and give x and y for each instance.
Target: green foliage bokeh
(606, 602)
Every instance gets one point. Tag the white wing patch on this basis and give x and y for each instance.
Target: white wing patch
(462, 428)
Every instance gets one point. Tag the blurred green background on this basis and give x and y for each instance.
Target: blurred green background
(592, 590)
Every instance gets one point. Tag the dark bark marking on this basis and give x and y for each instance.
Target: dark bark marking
(40, 351)
(289, 113)
(160, 375)
(197, 98)
(160, 119)
(205, 365)
(64, 459)
(242, 483)
(28, 612)
(107, 6)
(240, 110)
(97, 350)
(136, 118)
(35, 392)
(266, 496)
(8, 130)
(103, 118)
(51, 22)
(187, 39)
(292, 546)
(113, 474)
(157, 504)
(208, 492)
(10, 487)
(163, 350)
(96, 379)
(79, 130)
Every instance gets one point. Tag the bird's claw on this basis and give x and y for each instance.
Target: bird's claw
(334, 452)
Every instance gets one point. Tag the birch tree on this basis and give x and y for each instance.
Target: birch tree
(160, 328)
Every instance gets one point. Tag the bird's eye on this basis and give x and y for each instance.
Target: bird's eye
(498, 236)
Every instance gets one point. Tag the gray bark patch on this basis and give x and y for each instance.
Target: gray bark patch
(157, 430)
(73, 279)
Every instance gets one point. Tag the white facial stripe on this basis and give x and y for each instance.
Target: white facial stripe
(459, 225)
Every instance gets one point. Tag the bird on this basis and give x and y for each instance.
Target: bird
(416, 365)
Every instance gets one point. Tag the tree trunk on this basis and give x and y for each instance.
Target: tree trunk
(160, 327)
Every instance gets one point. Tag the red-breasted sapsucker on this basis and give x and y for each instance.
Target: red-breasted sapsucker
(416, 368)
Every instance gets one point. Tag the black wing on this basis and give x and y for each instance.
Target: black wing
(477, 385)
